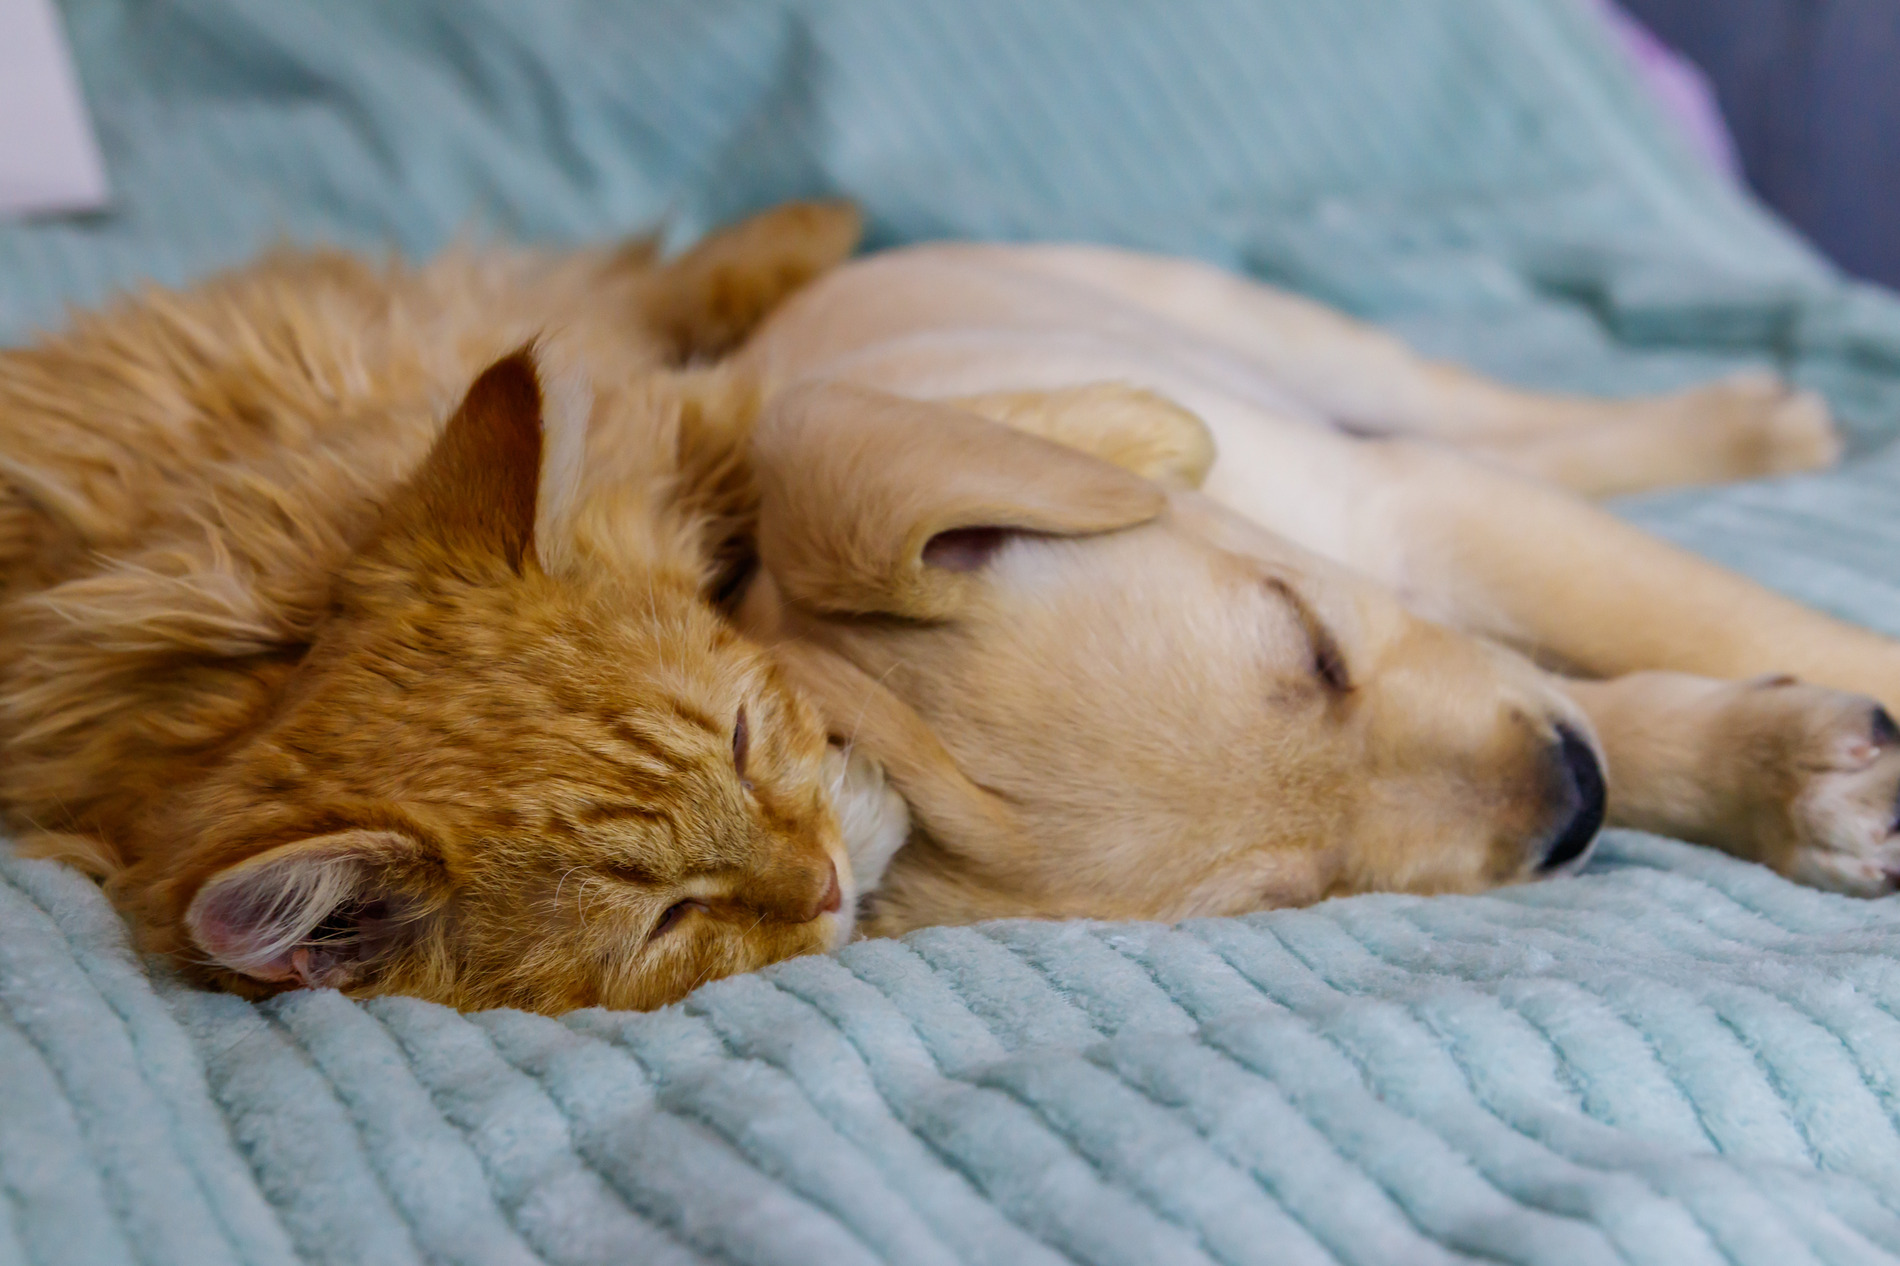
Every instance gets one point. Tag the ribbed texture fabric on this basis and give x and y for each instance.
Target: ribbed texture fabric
(1674, 1059)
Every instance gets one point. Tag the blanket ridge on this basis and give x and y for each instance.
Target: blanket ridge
(1377, 1079)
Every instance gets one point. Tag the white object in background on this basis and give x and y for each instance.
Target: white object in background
(49, 160)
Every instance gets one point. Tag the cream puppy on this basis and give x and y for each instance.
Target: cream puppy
(1158, 593)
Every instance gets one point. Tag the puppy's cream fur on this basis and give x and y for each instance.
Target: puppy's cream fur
(1102, 692)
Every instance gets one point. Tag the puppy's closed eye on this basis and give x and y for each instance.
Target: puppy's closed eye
(1329, 662)
(964, 549)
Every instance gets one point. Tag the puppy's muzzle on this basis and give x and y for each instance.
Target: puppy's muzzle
(1579, 796)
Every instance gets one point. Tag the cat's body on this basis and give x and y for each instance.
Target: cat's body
(317, 684)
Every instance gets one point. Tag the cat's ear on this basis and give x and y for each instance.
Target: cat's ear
(476, 491)
(315, 912)
(874, 504)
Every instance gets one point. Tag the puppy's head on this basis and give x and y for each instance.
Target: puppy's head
(522, 762)
(1103, 697)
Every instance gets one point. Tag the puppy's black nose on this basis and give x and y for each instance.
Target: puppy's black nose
(1581, 800)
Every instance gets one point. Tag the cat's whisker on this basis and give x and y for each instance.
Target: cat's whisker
(562, 884)
(653, 610)
(865, 705)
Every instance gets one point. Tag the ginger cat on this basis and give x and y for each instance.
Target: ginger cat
(331, 692)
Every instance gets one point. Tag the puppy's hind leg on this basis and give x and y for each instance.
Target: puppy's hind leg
(1802, 779)
(1741, 427)
(1708, 436)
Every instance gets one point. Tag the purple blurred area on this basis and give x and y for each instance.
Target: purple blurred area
(1810, 90)
(1679, 86)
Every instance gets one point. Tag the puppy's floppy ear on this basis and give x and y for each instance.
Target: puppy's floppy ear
(873, 503)
(956, 813)
(314, 912)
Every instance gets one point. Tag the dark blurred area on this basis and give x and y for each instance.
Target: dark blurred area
(1811, 91)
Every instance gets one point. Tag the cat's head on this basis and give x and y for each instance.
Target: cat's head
(523, 762)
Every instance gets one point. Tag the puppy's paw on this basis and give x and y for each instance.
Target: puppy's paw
(1798, 434)
(1818, 774)
(1765, 427)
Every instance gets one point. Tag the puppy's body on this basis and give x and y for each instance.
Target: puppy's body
(1290, 683)
(333, 691)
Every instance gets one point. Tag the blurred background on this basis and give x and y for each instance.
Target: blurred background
(1799, 99)
(1810, 90)
(1544, 189)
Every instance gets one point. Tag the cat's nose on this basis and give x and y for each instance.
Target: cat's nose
(796, 893)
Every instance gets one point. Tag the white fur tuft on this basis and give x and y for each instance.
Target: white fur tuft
(567, 409)
(874, 819)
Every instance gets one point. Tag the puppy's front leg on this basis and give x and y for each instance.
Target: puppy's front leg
(1546, 571)
(1664, 443)
(1800, 778)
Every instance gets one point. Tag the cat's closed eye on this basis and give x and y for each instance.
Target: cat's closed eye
(671, 919)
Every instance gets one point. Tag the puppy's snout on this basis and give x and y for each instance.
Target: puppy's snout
(1580, 797)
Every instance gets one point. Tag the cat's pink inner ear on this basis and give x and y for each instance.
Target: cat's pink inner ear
(302, 911)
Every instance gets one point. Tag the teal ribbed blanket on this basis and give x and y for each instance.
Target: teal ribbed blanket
(1673, 1059)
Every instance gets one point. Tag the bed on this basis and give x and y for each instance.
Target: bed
(1673, 1058)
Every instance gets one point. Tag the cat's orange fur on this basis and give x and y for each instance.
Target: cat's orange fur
(329, 692)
